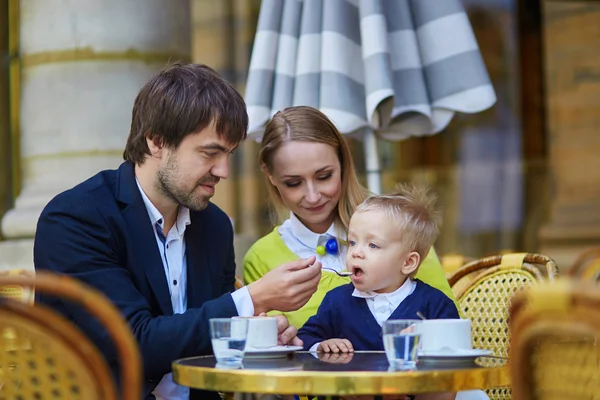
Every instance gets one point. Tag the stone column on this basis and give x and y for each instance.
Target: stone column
(212, 39)
(82, 64)
(572, 69)
(5, 188)
(222, 36)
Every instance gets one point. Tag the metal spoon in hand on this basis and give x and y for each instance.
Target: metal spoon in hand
(344, 274)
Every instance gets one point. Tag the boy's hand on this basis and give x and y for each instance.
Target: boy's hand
(336, 358)
(336, 346)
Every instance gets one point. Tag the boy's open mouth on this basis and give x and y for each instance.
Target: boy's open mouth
(357, 272)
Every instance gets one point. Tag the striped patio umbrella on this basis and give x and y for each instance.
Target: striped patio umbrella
(395, 68)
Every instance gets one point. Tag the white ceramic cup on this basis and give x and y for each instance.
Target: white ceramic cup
(262, 332)
(437, 334)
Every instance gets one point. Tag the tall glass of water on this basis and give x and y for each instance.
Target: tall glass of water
(401, 343)
(229, 340)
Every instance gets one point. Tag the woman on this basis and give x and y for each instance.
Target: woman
(311, 173)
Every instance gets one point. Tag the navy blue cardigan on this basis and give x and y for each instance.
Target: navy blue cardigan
(344, 316)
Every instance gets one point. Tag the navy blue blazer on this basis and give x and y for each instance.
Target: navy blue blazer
(343, 316)
(100, 233)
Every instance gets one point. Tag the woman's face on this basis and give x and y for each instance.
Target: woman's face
(309, 180)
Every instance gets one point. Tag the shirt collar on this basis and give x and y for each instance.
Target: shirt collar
(395, 298)
(305, 235)
(183, 214)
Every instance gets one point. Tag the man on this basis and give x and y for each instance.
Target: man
(147, 236)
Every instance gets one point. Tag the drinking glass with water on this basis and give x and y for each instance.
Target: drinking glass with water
(401, 343)
(229, 340)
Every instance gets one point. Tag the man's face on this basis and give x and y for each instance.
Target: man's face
(188, 174)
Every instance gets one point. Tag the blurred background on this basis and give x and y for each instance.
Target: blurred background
(524, 175)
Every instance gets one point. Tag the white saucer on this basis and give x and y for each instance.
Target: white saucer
(452, 356)
(270, 352)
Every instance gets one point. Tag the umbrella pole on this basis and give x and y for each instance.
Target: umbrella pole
(372, 162)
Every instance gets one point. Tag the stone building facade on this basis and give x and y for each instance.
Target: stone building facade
(73, 72)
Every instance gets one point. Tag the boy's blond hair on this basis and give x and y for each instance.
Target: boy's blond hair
(414, 211)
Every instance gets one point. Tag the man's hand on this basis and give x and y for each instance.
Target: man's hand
(287, 287)
(335, 346)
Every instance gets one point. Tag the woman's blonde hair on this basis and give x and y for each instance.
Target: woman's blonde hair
(308, 124)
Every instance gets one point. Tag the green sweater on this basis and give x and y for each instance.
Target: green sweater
(270, 252)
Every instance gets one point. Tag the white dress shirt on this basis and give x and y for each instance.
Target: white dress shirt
(382, 305)
(172, 253)
(303, 242)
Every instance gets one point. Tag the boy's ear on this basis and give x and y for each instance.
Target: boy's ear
(411, 263)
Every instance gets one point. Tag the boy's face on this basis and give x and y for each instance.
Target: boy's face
(375, 253)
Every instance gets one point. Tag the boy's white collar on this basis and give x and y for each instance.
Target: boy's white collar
(395, 297)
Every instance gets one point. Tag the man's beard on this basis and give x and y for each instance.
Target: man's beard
(166, 181)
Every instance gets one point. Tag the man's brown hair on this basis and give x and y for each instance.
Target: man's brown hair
(180, 100)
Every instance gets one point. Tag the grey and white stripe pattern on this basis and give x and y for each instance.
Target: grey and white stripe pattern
(401, 67)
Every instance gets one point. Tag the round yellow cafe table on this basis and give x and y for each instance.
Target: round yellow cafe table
(339, 374)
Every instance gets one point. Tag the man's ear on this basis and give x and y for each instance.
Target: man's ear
(411, 263)
(155, 146)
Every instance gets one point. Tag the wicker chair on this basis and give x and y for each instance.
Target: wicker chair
(587, 265)
(554, 353)
(52, 359)
(17, 292)
(486, 299)
(452, 263)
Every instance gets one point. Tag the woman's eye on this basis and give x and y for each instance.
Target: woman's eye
(325, 177)
(292, 184)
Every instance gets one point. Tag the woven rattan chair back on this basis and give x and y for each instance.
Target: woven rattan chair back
(44, 356)
(452, 263)
(17, 292)
(554, 350)
(486, 299)
(587, 265)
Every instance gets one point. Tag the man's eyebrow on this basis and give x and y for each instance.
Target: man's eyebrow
(217, 147)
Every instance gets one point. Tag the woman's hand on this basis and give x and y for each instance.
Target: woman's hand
(286, 334)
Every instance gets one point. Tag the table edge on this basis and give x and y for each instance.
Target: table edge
(339, 382)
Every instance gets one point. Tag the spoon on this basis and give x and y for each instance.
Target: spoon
(344, 274)
(420, 315)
